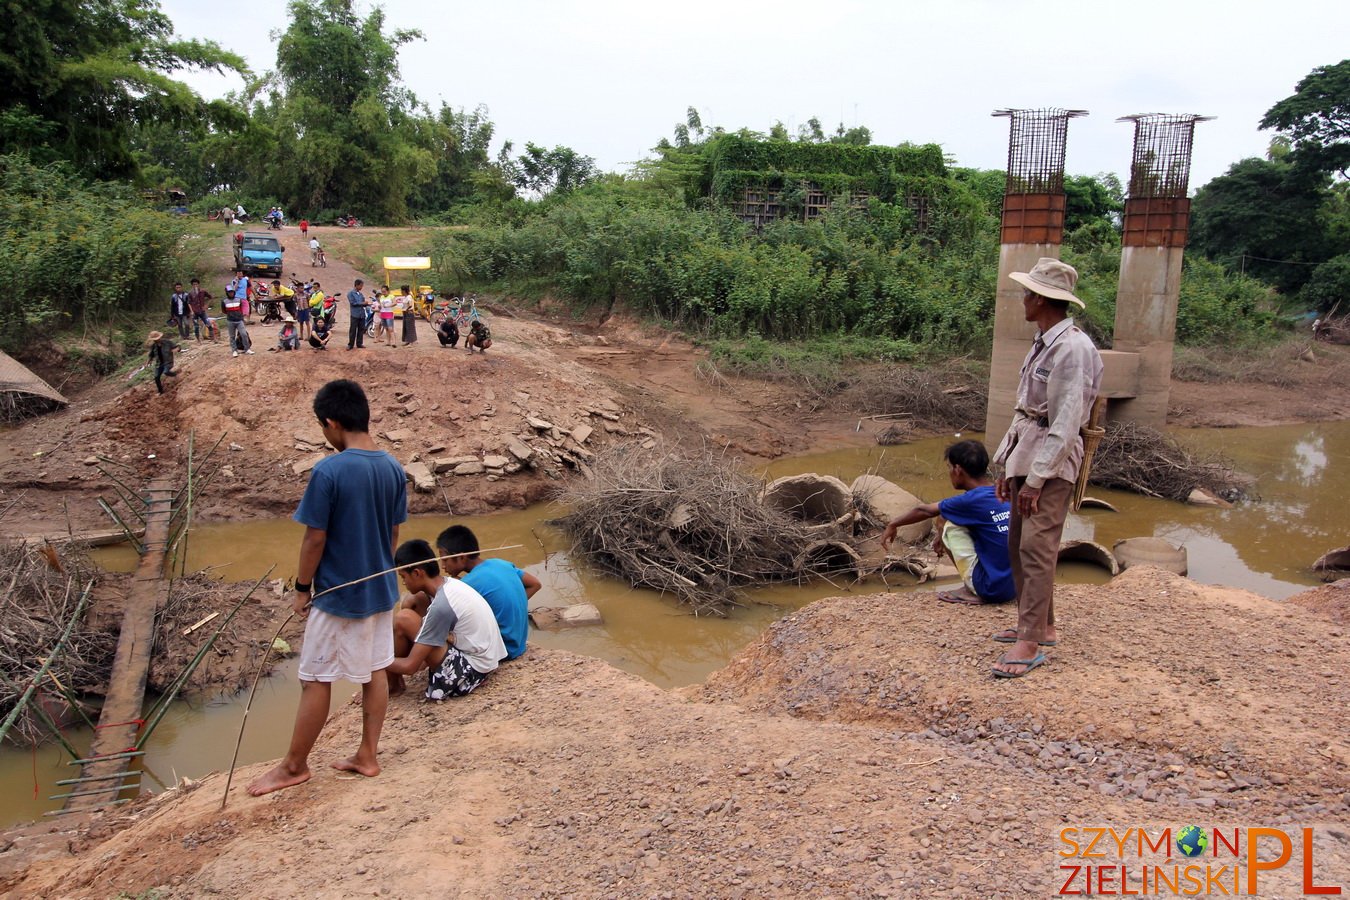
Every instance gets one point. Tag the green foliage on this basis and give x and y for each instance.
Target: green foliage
(559, 170)
(1218, 307)
(1329, 284)
(77, 78)
(74, 251)
(1265, 218)
(1317, 119)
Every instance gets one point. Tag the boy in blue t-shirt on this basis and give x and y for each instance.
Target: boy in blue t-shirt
(352, 508)
(975, 534)
(506, 588)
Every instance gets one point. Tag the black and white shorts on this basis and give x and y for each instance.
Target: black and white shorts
(454, 677)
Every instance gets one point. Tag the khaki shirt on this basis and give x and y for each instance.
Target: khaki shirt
(1060, 380)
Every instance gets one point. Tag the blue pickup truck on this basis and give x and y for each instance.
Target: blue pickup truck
(258, 253)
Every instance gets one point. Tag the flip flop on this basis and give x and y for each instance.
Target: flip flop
(954, 597)
(1030, 664)
(1003, 638)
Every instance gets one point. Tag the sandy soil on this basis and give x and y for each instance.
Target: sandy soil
(860, 748)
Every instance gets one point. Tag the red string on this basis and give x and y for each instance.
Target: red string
(137, 722)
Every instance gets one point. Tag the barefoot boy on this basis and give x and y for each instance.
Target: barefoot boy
(506, 588)
(351, 510)
(445, 627)
(975, 534)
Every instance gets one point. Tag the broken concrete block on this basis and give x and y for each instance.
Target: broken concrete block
(885, 500)
(470, 468)
(512, 468)
(575, 616)
(1201, 497)
(520, 451)
(423, 481)
(539, 424)
(446, 463)
(581, 433)
(821, 501)
(398, 435)
(412, 407)
(304, 465)
(495, 462)
(435, 448)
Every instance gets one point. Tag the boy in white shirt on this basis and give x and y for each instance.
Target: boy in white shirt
(445, 626)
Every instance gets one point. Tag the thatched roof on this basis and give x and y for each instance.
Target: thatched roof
(22, 392)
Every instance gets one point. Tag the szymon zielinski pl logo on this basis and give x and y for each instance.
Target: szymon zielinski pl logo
(1190, 861)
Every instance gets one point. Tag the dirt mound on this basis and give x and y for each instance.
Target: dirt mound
(1329, 600)
(569, 777)
(1161, 670)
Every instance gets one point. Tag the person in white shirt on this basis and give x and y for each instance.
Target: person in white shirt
(443, 626)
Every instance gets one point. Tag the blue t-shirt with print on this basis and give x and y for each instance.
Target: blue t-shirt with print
(357, 497)
(499, 583)
(986, 517)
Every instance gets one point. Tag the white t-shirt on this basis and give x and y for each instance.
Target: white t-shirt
(314, 243)
(458, 610)
(386, 305)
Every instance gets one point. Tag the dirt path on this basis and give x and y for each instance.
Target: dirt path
(859, 748)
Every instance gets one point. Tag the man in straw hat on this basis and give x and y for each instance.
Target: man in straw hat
(161, 357)
(1041, 455)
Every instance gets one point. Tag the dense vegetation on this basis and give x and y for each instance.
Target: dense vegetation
(905, 258)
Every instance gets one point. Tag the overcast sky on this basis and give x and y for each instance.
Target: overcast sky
(610, 78)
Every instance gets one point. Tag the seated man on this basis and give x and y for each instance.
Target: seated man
(319, 334)
(448, 332)
(288, 338)
(444, 626)
(975, 534)
(479, 336)
(506, 589)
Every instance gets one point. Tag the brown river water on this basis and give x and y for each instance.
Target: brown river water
(1265, 547)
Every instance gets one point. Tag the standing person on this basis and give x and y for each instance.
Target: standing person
(304, 228)
(179, 310)
(239, 214)
(353, 506)
(1041, 455)
(243, 292)
(314, 250)
(234, 320)
(286, 295)
(161, 356)
(975, 531)
(409, 316)
(199, 302)
(506, 588)
(356, 306)
(386, 329)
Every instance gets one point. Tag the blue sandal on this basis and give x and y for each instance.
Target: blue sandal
(1030, 665)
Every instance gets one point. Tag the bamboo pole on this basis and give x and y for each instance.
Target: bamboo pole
(161, 706)
(49, 722)
(47, 663)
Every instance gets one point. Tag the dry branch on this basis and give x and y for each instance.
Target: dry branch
(692, 525)
(1146, 461)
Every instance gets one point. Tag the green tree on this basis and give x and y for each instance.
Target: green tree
(1316, 117)
(1264, 218)
(555, 171)
(77, 78)
(336, 131)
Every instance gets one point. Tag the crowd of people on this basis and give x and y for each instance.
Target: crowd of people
(306, 315)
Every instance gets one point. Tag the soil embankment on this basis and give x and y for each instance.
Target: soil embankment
(860, 747)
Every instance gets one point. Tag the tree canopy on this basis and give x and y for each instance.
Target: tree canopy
(1316, 117)
(77, 78)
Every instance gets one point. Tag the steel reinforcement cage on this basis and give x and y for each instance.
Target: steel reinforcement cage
(1036, 142)
(1161, 166)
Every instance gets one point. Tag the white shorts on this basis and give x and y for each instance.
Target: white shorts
(349, 649)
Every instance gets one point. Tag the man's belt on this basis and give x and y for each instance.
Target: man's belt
(1043, 421)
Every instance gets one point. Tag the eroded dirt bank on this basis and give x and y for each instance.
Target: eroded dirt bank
(859, 748)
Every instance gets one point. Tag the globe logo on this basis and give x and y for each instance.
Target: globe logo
(1192, 841)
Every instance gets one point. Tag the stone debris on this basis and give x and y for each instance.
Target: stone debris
(398, 435)
(470, 468)
(884, 500)
(304, 465)
(447, 463)
(574, 616)
(520, 451)
(539, 424)
(495, 462)
(581, 433)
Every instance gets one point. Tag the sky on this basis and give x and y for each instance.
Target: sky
(610, 78)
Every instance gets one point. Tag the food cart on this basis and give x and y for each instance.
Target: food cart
(424, 297)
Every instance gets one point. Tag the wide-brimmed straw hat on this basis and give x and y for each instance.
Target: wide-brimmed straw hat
(154, 336)
(288, 318)
(1050, 278)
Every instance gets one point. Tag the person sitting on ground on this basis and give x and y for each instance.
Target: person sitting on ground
(319, 334)
(506, 588)
(448, 332)
(443, 626)
(480, 336)
(975, 533)
(161, 357)
(288, 338)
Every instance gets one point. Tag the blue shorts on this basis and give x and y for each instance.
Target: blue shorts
(302, 314)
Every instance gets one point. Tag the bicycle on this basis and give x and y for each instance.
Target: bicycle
(442, 310)
(464, 318)
(318, 258)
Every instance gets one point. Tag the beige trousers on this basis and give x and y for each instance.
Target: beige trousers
(1033, 547)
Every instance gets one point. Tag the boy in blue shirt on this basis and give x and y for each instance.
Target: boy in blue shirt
(975, 534)
(506, 588)
(352, 508)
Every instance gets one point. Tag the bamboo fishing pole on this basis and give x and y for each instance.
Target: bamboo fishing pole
(262, 663)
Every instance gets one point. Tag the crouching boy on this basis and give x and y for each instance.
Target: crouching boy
(445, 627)
(975, 534)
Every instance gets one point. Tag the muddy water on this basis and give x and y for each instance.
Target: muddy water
(1265, 547)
